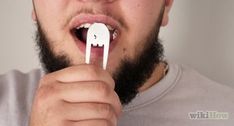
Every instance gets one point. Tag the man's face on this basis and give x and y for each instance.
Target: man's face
(136, 23)
(134, 19)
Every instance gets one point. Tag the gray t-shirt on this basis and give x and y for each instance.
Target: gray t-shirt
(182, 98)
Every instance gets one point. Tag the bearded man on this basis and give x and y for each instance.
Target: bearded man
(138, 88)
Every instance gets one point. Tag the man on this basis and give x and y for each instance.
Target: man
(138, 88)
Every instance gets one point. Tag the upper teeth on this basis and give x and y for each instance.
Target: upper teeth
(87, 25)
(110, 28)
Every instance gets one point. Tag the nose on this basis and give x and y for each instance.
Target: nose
(106, 1)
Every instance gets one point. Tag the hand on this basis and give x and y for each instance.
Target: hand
(76, 96)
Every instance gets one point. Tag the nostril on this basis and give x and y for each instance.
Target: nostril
(104, 1)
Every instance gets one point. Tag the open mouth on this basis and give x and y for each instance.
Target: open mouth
(80, 33)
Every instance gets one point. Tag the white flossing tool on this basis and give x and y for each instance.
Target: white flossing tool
(98, 35)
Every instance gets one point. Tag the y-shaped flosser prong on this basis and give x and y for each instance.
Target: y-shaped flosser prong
(98, 34)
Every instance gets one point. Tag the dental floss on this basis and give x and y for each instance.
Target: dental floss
(98, 35)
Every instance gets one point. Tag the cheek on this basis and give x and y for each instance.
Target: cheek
(140, 18)
(51, 17)
(51, 13)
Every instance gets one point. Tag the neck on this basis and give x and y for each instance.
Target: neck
(156, 76)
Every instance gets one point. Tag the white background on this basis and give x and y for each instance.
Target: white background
(200, 35)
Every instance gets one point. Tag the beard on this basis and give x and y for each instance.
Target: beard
(131, 73)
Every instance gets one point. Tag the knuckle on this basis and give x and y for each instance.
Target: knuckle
(46, 91)
(92, 71)
(107, 111)
(103, 89)
(45, 102)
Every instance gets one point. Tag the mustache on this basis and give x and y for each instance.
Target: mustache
(92, 11)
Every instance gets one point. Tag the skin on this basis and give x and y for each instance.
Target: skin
(57, 101)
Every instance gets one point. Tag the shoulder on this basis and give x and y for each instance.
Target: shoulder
(193, 88)
(18, 74)
(199, 85)
(196, 95)
(16, 94)
(18, 78)
(15, 81)
(195, 92)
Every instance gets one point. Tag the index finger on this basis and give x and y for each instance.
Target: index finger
(83, 72)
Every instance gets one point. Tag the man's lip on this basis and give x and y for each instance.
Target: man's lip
(90, 18)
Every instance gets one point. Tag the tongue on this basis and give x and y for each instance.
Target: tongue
(84, 34)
